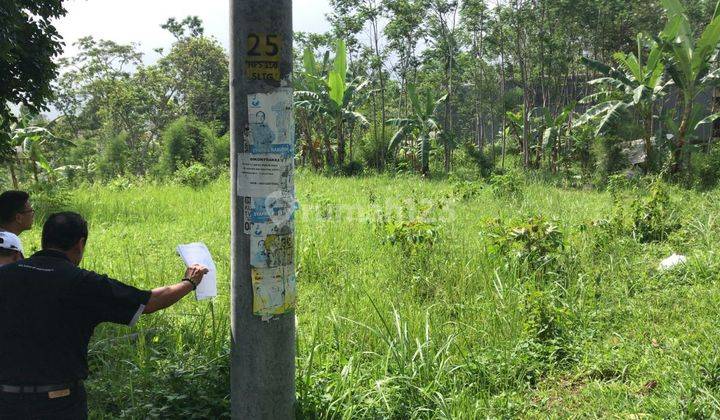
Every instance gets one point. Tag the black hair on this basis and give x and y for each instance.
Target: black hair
(63, 231)
(12, 203)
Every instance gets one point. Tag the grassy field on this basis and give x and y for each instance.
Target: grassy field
(430, 299)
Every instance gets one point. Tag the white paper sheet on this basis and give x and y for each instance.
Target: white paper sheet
(198, 253)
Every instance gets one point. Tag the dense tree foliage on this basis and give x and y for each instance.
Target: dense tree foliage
(28, 45)
(578, 88)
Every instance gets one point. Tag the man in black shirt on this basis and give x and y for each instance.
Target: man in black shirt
(48, 310)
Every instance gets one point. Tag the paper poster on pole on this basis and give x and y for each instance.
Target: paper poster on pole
(274, 291)
(265, 178)
(271, 123)
(272, 245)
(260, 175)
(277, 209)
(272, 250)
(198, 253)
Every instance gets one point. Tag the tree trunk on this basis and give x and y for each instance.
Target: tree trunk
(16, 185)
(309, 149)
(648, 143)
(341, 141)
(329, 157)
(492, 140)
(519, 45)
(425, 163)
(381, 78)
(687, 112)
(502, 92)
(448, 126)
(34, 169)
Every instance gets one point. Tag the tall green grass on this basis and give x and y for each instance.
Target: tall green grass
(450, 328)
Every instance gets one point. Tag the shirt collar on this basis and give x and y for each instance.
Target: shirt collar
(52, 254)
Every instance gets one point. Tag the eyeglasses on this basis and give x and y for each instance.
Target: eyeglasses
(27, 211)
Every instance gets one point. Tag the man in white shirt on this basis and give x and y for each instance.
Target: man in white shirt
(10, 249)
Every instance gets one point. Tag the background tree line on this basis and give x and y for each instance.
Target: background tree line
(426, 86)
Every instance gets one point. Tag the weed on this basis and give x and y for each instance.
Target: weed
(47, 198)
(507, 186)
(537, 242)
(466, 190)
(196, 175)
(654, 217)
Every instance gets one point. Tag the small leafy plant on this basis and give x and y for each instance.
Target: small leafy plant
(412, 231)
(466, 190)
(507, 186)
(654, 217)
(537, 241)
(196, 175)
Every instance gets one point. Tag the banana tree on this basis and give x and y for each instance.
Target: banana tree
(632, 85)
(332, 97)
(516, 124)
(30, 143)
(557, 128)
(421, 126)
(688, 63)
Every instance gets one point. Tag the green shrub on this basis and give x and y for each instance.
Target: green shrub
(120, 183)
(609, 158)
(412, 230)
(537, 242)
(545, 329)
(507, 186)
(192, 387)
(217, 153)
(196, 175)
(479, 159)
(654, 217)
(371, 151)
(49, 198)
(185, 142)
(617, 184)
(706, 168)
(351, 168)
(466, 190)
(115, 157)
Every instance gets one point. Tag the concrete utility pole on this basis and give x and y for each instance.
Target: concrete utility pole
(263, 352)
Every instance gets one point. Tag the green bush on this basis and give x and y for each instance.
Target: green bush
(466, 190)
(121, 183)
(609, 158)
(475, 160)
(192, 387)
(412, 229)
(371, 152)
(706, 168)
(352, 168)
(49, 198)
(115, 157)
(217, 154)
(654, 217)
(196, 175)
(187, 141)
(536, 242)
(507, 186)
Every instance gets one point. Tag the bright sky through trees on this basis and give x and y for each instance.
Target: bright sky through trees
(139, 20)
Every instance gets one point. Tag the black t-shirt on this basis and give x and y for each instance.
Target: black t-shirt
(48, 311)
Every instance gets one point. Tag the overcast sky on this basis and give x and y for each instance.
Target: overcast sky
(139, 20)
